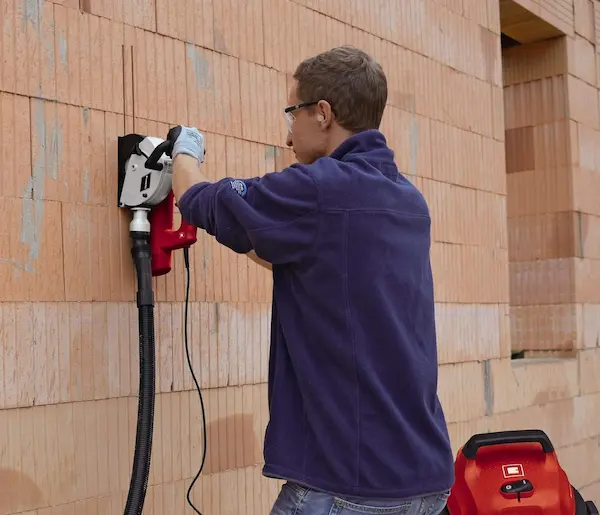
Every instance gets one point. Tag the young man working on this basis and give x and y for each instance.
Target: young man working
(355, 421)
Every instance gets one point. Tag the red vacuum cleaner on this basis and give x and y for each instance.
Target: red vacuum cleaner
(513, 473)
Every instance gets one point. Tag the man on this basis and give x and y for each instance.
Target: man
(355, 421)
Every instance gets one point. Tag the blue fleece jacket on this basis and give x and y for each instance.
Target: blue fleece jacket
(353, 361)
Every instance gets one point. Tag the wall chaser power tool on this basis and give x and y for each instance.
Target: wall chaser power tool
(145, 181)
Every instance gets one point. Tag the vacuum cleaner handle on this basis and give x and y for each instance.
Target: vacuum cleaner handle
(506, 437)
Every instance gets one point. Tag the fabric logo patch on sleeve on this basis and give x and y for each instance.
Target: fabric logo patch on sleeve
(239, 187)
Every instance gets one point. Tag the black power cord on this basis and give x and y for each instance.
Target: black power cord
(186, 258)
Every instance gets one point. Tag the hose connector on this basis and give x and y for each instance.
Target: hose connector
(140, 222)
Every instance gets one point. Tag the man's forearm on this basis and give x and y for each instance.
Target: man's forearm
(186, 173)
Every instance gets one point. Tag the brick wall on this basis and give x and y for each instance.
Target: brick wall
(74, 77)
(541, 222)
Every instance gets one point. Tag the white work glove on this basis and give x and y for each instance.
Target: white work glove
(187, 140)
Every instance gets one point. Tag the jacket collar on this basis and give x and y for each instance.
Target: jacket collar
(373, 145)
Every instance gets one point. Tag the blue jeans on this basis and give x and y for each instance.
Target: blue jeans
(294, 499)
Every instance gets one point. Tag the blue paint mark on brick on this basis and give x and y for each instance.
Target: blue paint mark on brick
(50, 145)
(488, 388)
(31, 12)
(86, 186)
(271, 152)
(62, 50)
(56, 147)
(201, 66)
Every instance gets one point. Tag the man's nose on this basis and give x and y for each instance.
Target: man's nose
(288, 139)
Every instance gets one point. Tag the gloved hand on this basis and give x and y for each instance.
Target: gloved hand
(187, 140)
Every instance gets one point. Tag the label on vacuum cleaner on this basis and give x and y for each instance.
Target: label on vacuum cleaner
(514, 470)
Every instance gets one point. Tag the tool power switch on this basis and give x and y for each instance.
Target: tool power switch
(517, 487)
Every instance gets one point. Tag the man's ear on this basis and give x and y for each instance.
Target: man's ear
(324, 113)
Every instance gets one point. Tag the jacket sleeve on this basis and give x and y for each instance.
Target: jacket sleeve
(274, 215)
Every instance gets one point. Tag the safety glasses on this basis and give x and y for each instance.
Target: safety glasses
(289, 116)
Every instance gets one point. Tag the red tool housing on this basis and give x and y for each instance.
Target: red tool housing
(164, 239)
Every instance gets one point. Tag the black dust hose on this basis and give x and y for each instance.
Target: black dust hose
(145, 423)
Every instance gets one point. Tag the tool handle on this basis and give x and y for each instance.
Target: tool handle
(164, 239)
(506, 437)
(166, 147)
